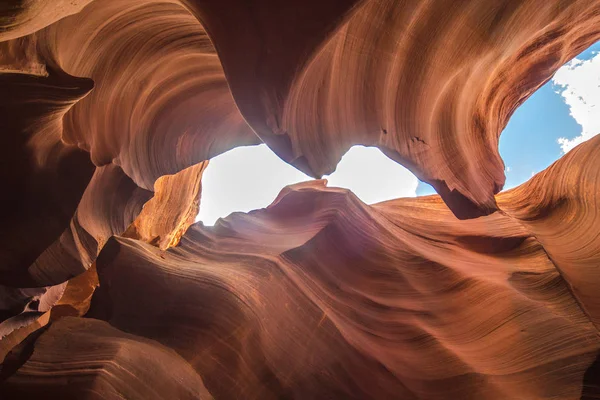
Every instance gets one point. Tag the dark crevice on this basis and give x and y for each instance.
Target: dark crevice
(19, 355)
(591, 381)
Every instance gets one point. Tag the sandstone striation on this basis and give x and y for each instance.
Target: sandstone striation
(109, 113)
(88, 359)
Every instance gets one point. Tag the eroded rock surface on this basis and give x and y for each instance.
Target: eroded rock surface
(109, 113)
(88, 359)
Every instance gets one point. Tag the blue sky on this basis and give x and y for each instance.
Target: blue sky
(529, 143)
(560, 115)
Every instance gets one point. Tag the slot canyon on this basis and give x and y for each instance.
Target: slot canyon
(110, 111)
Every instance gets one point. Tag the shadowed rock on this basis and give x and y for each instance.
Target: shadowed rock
(109, 111)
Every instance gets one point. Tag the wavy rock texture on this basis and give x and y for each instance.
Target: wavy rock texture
(166, 104)
(157, 119)
(88, 359)
(430, 83)
(321, 296)
(560, 207)
(36, 165)
(109, 111)
(163, 220)
(22, 17)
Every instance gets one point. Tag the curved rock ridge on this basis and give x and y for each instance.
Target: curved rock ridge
(165, 102)
(22, 17)
(36, 165)
(560, 206)
(431, 83)
(88, 359)
(109, 112)
(162, 222)
(322, 296)
(165, 106)
(161, 102)
(164, 219)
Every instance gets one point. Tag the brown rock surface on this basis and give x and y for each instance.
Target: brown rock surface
(431, 83)
(22, 17)
(157, 119)
(109, 111)
(164, 219)
(88, 359)
(322, 296)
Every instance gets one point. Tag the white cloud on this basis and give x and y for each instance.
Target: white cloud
(248, 178)
(507, 169)
(578, 82)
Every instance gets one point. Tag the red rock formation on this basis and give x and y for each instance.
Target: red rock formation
(88, 359)
(321, 296)
(109, 112)
(430, 83)
(560, 206)
(165, 218)
(156, 120)
(46, 176)
(22, 17)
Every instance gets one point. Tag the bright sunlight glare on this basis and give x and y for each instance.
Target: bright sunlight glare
(249, 178)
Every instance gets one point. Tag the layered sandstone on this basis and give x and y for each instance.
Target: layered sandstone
(110, 111)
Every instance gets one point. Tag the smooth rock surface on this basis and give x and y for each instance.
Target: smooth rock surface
(109, 113)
